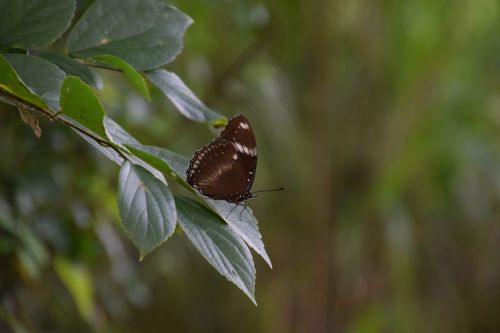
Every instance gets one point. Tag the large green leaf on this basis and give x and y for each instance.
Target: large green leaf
(243, 222)
(33, 24)
(145, 33)
(146, 207)
(40, 76)
(129, 71)
(79, 102)
(72, 66)
(11, 82)
(183, 98)
(218, 243)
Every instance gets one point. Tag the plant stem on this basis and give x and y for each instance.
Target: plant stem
(91, 64)
(17, 102)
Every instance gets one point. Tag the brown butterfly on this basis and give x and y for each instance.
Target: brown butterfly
(225, 168)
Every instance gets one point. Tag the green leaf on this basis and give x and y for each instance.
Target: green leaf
(128, 70)
(183, 98)
(79, 283)
(11, 82)
(72, 66)
(40, 76)
(145, 33)
(163, 160)
(244, 223)
(174, 166)
(118, 136)
(79, 102)
(146, 206)
(33, 24)
(105, 150)
(218, 244)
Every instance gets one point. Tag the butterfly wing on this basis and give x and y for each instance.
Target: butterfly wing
(239, 132)
(217, 171)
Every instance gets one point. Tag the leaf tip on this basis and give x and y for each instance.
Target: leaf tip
(219, 122)
(252, 298)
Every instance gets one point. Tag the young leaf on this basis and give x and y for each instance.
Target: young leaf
(72, 66)
(129, 71)
(146, 207)
(41, 77)
(145, 33)
(183, 98)
(79, 102)
(11, 82)
(174, 166)
(33, 24)
(218, 243)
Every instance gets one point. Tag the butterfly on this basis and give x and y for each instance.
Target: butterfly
(225, 168)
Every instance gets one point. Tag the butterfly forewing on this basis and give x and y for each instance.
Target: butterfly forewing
(240, 133)
(225, 168)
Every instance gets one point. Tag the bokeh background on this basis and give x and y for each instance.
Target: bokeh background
(381, 119)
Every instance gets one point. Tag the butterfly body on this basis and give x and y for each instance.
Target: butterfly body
(225, 168)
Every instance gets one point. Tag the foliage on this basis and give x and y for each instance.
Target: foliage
(381, 118)
(130, 37)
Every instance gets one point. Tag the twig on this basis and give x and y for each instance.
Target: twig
(17, 102)
(91, 64)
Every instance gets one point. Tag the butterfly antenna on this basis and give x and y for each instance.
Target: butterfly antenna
(271, 190)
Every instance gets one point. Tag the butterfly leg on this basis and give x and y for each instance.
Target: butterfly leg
(243, 209)
(236, 205)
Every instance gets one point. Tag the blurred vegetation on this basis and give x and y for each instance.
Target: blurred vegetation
(382, 119)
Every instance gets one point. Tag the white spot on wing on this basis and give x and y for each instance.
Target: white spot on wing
(235, 157)
(239, 147)
(244, 125)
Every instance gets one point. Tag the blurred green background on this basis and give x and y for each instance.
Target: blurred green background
(382, 120)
